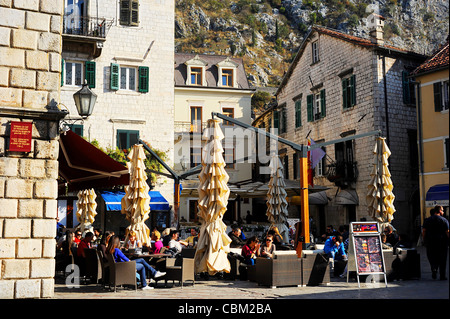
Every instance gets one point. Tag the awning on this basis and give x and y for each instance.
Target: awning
(83, 166)
(347, 197)
(437, 195)
(113, 200)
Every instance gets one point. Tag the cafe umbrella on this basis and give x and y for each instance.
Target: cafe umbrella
(213, 244)
(86, 210)
(136, 201)
(276, 198)
(380, 199)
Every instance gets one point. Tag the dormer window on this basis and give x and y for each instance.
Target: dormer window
(196, 71)
(227, 77)
(196, 76)
(227, 73)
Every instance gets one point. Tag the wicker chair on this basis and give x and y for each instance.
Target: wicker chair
(180, 269)
(93, 265)
(105, 268)
(282, 270)
(123, 273)
(315, 269)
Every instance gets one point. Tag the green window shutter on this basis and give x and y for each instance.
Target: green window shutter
(298, 113)
(283, 121)
(143, 78)
(309, 108)
(276, 119)
(62, 72)
(353, 90)
(114, 79)
(405, 85)
(89, 73)
(323, 107)
(344, 94)
(437, 89)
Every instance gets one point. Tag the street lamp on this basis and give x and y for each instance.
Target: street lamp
(85, 101)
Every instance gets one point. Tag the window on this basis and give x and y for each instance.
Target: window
(195, 156)
(228, 111)
(73, 73)
(127, 78)
(227, 77)
(279, 120)
(196, 119)
(298, 113)
(349, 92)
(315, 51)
(316, 106)
(76, 128)
(193, 210)
(196, 76)
(409, 96)
(228, 156)
(129, 12)
(319, 170)
(440, 90)
(127, 138)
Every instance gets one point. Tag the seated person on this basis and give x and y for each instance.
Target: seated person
(334, 248)
(329, 233)
(391, 237)
(268, 248)
(251, 250)
(277, 238)
(235, 236)
(141, 265)
(175, 244)
(157, 245)
(192, 240)
(384, 243)
(132, 242)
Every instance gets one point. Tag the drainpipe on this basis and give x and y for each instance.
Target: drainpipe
(386, 100)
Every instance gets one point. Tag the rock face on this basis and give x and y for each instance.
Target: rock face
(267, 33)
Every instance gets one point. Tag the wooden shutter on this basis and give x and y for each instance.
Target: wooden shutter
(89, 73)
(309, 108)
(114, 77)
(323, 108)
(344, 94)
(125, 10)
(437, 90)
(276, 119)
(353, 90)
(134, 12)
(143, 79)
(298, 113)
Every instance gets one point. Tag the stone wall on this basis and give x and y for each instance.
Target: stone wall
(30, 46)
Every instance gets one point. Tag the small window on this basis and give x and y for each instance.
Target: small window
(127, 78)
(129, 12)
(196, 76)
(409, 96)
(196, 119)
(73, 73)
(196, 156)
(440, 96)
(316, 106)
(227, 77)
(228, 156)
(228, 111)
(315, 51)
(127, 138)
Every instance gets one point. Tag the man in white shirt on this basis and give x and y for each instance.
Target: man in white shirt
(175, 243)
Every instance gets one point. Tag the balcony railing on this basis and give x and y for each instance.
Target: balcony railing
(86, 26)
(342, 173)
(189, 127)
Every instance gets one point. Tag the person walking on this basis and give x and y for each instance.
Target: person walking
(435, 233)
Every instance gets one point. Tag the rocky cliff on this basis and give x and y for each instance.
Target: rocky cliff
(267, 33)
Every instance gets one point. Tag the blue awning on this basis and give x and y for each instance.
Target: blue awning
(437, 195)
(113, 200)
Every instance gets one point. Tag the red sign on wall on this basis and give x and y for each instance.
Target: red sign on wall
(20, 138)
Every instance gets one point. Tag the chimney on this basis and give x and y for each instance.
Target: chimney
(375, 22)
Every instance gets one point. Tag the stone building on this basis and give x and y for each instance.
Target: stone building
(205, 84)
(124, 50)
(30, 65)
(341, 85)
